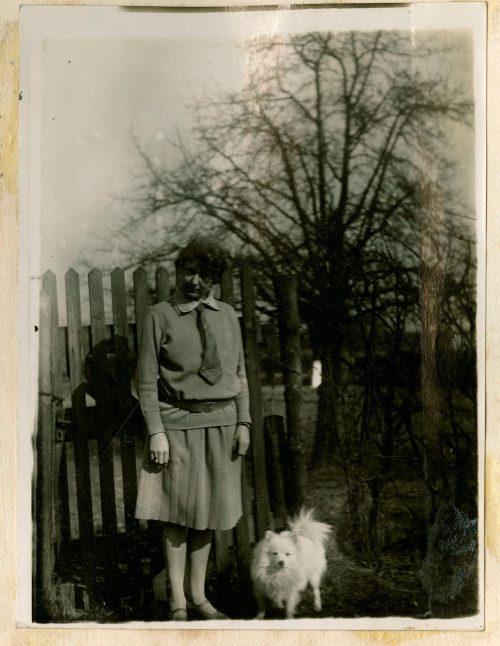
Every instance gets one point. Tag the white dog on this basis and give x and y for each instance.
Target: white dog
(283, 564)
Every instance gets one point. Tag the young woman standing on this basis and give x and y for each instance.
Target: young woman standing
(194, 397)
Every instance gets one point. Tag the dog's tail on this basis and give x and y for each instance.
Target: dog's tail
(305, 524)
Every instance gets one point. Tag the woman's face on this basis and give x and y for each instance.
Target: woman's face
(194, 282)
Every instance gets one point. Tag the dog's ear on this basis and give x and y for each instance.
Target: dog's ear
(286, 534)
(268, 535)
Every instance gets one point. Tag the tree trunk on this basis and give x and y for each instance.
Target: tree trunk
(434, 252)
(326, 442)
(289, 326)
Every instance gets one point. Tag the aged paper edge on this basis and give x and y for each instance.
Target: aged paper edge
(8, 279)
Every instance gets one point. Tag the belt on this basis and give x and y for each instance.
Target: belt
(200, 406)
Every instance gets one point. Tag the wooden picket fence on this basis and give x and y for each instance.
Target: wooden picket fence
(90, 440)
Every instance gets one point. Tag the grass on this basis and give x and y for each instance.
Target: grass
(62, 606)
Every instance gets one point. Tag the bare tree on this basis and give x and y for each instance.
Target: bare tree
(316, 167)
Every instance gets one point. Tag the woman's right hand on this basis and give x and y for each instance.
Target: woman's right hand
(159, 448)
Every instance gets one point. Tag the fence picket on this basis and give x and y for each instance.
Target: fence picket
(103, 397)
(227, 287)
(262, 515)
(162, 285)
(75, 344)
(141, 301)
(123, 399)
(242, 529)
(62, 508)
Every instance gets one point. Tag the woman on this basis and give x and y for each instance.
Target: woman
(194, 397)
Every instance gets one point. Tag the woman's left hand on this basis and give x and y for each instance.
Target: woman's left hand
(241, 440)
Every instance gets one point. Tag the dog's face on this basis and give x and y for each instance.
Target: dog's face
(281, 549)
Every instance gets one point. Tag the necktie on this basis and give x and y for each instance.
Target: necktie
(210, 369)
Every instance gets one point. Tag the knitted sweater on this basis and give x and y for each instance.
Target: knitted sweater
(169, 362)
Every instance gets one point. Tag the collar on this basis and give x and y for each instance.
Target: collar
(183, 306)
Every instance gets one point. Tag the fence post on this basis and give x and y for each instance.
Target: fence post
(45, 445)
(276, 463)
(223, 538)
(262, 515)
(289, 327)
(60, 509)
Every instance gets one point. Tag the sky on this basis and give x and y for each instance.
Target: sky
(97, 94)
(91, 76)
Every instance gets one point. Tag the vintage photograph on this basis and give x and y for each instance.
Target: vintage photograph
(252, 258)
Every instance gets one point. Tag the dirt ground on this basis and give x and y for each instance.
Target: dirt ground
(350, 588)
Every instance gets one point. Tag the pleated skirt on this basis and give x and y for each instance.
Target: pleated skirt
(201, 485)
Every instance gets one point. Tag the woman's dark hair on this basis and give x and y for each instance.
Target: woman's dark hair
(206, 255)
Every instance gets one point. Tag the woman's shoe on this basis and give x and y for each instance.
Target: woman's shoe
(178, 614)
(206, 610)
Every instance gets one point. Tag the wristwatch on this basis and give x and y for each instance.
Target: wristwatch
(247, 424)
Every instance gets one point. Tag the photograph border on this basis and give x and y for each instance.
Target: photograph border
(9, 199)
